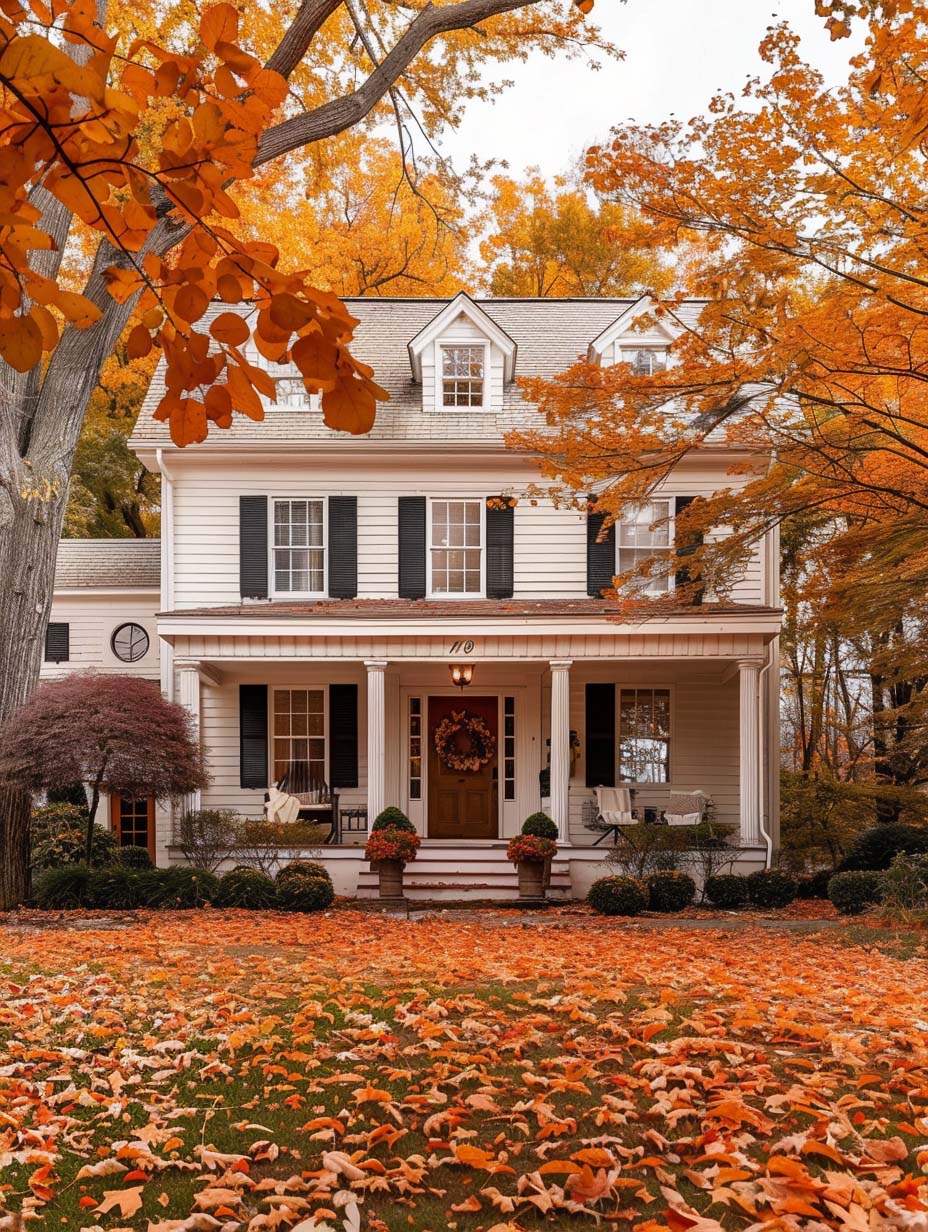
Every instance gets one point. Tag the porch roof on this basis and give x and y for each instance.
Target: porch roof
(419, 609)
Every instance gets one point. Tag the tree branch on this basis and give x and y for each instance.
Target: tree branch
(343, 113)
(293, 46)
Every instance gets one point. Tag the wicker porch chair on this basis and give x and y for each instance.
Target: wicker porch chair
(687, 808)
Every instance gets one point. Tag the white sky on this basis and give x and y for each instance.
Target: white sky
(678, 53)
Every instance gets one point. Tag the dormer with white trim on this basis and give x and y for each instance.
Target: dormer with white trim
(463, 360)
(638, 337)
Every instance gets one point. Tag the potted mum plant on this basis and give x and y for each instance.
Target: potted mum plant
(531, 853)
(542, 826)
(391, 844)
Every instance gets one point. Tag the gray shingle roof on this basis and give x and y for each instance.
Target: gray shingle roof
(550, 335)
(90, 564)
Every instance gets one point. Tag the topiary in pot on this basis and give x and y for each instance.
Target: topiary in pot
(771, 888)
(855, 891)
(246, 887)
(113, 889)
(302, 868)
(62, 889)
(134, 857)
(617, 896)
(541, 825)
(670, 891)
(393, 819)
(300, 893)
(726, 890)
(877, 847)
(178, 888)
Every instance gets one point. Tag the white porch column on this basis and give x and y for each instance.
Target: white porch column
(189, 675)
(750, 778)
(376, 739)
(560, 744)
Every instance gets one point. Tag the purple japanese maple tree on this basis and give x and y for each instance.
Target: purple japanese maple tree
(112, 733)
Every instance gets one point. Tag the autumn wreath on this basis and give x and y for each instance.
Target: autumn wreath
(463, 742)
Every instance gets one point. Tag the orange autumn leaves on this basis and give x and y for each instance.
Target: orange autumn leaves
(74, 112)
(238, 1071)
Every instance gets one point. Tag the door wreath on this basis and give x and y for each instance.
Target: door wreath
(463, 742)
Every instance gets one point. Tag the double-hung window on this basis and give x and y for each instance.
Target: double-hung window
(645, 532)
(645, 361)
(644, 735)
(463, 376)
(456, 547)
(299, 547)
(299, 737)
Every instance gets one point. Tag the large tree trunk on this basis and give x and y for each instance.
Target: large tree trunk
(32, 510)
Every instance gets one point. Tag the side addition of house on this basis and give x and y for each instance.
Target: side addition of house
(320, 594)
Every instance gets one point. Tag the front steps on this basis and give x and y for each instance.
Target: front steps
(458, 872)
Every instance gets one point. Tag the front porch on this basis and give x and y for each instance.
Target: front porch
(686, 708)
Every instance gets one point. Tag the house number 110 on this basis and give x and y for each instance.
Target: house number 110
(462, 647)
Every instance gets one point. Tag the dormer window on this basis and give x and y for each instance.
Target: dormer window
(463, 376)
(645, 361)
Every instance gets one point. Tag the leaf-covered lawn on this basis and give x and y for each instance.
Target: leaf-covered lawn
(240, 1070)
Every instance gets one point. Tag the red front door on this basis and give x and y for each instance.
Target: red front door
(463, 804)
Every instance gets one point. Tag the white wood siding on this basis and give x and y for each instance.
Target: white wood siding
(92, 619)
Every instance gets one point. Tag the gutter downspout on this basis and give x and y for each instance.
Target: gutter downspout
(167, 570)
(762, 749)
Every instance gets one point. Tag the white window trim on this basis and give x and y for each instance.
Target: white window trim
(439, 405)
(628, 345)
(272, 578)
(650, 591)
(644, 785)
(451, 594)
(288, 688)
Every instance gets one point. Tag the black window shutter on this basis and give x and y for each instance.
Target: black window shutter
(343, 547)
(600, 735)
(412, 547)
(252, 712)
(252, 547)
(682, 577)
(600, 554)
(343, 735)
(500, 538)
(57, 642)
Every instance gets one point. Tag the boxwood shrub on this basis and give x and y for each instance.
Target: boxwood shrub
(302, 868)
(134, 857)
(541, 825)
(393, 819)
(727, 890)
(855, 890)
(62, 889)
(670, 891)
(299, 893)
(617, 896)
(246, 887)
(771, 887)
(877, 847)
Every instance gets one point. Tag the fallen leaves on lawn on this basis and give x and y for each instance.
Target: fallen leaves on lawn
(217, 1072)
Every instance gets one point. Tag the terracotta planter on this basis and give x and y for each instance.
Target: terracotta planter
(531, 878)
(391, 878)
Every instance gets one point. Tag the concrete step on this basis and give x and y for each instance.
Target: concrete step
(466, 876)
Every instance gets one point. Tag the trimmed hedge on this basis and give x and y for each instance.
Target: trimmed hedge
(877, 847)
(178, 888)
(113, 889)
(855, 890)
(727, 890)
(771, 887)
(306, 894)
(393, 819)
(814, 885)
(302, 868)
(617, 896)
(62, 889)
(541, 825)
(670, 891)
(246, 887)
(134, 857)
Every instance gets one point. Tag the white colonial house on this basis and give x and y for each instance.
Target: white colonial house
(316, 593)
